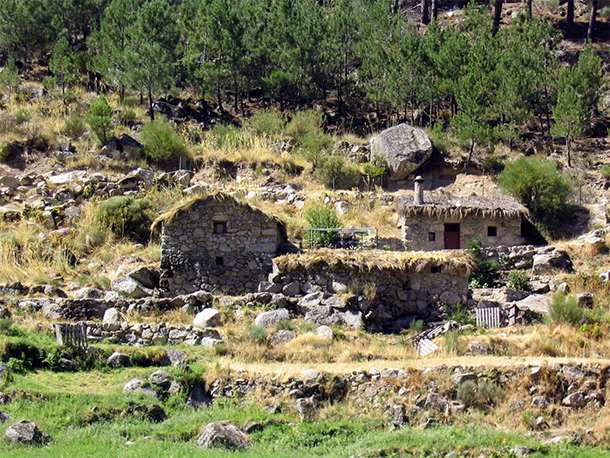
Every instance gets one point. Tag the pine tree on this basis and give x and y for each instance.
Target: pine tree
(62, 63)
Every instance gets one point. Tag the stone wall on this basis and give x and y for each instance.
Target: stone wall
(221, 245)
(384, 299)
(417, 232)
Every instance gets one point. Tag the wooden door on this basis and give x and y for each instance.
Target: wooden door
(452, 236)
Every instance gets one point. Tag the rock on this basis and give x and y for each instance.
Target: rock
(269, 287)
(572, 373)
(450, 297)
(4, 417)
(88, 292)
(585, 299)
(222, 434)
(9, 181)
(130, 146)
(272, 317)
(137, 386)
(160, 378)
(576, 399)
(155, 413)
(551, 259)
(118, 359)
(538, 303)
(198, 396)
(131, 288)
(311, 300)
(310, 375)
(292, 289)
(352, 319)
(479, 348)
(405, 148)
(308, 409)
(283, 336)
(210, 342)
(435, 401)
(541, 401)
(207, 318)
(459, 378)
(65, 178)
(325, 332)
(26, 432)
(176, 358)
(112, 316)
(147, 277)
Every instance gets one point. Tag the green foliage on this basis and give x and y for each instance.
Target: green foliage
(416, 326)
(566, 310)
(460, 314)
(267, 122)
(229, 137)
(322, 217)
(6, 325)
(62, 63)
(480, 393)
(306, 128)
(605, 171)
(258, 334)
(99, 119)
(517, 280)
(539, 186)
(334, 173)
(377, 168)
(127, 217)
(9, 77)
(74, 127)
(486, 272)
(162, 143)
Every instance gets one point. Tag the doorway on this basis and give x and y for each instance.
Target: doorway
(452, 236)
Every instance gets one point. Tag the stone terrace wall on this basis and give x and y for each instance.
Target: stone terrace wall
(416, 232)
(195, 258)
(387, 299)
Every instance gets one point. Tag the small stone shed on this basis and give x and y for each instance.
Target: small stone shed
(217, 243)
(439, 221)
(387, 288)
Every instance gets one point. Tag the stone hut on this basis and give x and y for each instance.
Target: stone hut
(383, 289)
(217, 243)
(437, 221)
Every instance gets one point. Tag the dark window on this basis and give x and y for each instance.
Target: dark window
(431, 236)
(435, 269)
(492, 231)
(220, 227)
(219, 260)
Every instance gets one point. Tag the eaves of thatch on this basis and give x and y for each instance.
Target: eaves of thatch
(451, 261)
(439, 206)
(177, 210)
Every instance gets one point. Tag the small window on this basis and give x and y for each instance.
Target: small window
(220, 227)
(431, 236)
(435, 269)
(492, 231)
(219, 260)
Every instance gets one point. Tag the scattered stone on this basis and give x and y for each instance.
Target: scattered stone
(222, 434)
(272, 317)
(198, 396)
(160, 378)
(131, 288)
(210, 342)
(585, 299)
(541, 401)
(112, 316)
(435, 401)
(308, 409)
(282, 336)
(207, 318)
(176, 358)
(137, 386)
(4, 417)
(324, 332)
(88, 292)
(479, 348)
(575, 399)
(147, 277)
(118, 360)
(550, 260)
(26, 432)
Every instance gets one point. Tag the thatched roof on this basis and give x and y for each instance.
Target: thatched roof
(452, 261)
(173, 212)
(438, 205)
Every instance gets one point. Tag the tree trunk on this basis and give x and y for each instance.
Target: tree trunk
(434, 10)
(396, 6)
(151, 112)
(497, 17)
(425, 11)
(592, 20)
(569, 151)
(528, 9)
(570, 14)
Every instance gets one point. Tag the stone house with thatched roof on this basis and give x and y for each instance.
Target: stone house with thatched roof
(217, 243)
(440, 221)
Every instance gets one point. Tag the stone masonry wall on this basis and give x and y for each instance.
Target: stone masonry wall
(193, 257)
(416, 232)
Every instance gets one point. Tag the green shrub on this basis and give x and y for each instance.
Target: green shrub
(483, 392)
(566, 310)
(161, 142)
(517, 280)
(542, 189)
(74, 126)
(322, 217)
(492, 165)
(486, 272)
(287, 325)
(306, 128)
(258, 334)
(127, 217)
(229, 138)
(267, 122)
(334, 173)
(5, 325)
(467, 393)
(21, 116)
(605, 171)
(99, 119)
(460, 314)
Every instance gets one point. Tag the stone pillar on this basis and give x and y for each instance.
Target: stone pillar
(419, 190)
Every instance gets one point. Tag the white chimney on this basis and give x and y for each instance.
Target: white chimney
(419, 190)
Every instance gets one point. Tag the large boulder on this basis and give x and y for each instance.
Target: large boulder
(222, 434)
(551, 259)
(131, 288)
(405, 148)
(207, 318)
(26, 432)
(272, 317)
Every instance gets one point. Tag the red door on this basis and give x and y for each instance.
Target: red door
(452, 236)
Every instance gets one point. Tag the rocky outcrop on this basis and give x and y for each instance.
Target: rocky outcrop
(26, 432)
(405, 148)
(222, 434)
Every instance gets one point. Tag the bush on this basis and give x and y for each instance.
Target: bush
(161, 142)
(258, 334)
(334, 173)
(306, 128)
(542, 189)
(229, 137)
(127, 217)
(486, 272)
(321, 217)
(483, 392)
(99, 119)
(267, 122)
(74, 126)
(517, 279)
(605, 171)
(566, 310)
